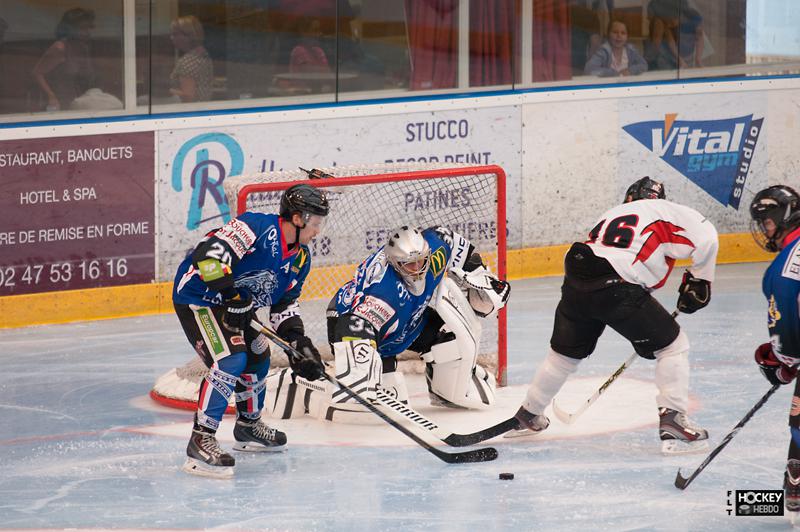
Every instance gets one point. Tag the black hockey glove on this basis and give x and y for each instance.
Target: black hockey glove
(694, 293)
(775, 371)
(309, 366)
(239, 311)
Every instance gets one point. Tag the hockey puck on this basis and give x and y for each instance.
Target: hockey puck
(506, 476)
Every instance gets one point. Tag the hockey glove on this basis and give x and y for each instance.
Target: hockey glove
(775, 371)
(239, 311)
(694, 293)
(309, 366)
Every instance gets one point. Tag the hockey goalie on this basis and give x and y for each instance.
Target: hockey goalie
(422, 292)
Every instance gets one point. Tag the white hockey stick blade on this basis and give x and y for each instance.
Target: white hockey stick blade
(565, 417)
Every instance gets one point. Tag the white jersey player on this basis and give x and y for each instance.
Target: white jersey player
(608, 279)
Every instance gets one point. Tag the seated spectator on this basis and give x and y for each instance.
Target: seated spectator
(616, 57)
(676, 35)
(191, 79)
(66, 65)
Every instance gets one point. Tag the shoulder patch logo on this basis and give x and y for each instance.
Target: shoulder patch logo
(300, 260)
(438, 261)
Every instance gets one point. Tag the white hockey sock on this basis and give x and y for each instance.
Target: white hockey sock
(672, 375)
(549, 378)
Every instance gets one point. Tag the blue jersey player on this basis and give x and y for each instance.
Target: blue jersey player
(775, 213)
(256, 260)
(390, 306)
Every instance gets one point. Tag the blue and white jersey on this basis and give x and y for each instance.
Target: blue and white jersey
(266, 267)
(378, 295)
(781, 287)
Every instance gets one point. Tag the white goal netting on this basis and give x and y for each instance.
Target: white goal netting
(366, 204)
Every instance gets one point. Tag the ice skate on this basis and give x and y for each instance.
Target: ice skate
(791, 487)
(256, 436)
(529, 423)
(206, 458)
(680, 435)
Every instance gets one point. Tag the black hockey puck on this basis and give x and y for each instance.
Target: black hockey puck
(506, 476)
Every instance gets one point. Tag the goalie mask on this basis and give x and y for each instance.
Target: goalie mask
(410, 255)
(775, 212)
(645, 188)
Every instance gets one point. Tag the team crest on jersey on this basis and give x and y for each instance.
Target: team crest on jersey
(773, 315)
(438, 261)
(713, 154)
(261, 284)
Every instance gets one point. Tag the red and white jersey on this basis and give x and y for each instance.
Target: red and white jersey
(643, 239)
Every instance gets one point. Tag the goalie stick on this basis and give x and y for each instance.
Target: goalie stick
(681, 482)
(569, 419)
(484, 454)
(450, 438)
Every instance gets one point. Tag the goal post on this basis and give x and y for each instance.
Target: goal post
(367, 203)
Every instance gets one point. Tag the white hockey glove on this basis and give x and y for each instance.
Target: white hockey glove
(485, 292)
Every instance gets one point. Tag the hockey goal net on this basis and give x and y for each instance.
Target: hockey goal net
(366, 204)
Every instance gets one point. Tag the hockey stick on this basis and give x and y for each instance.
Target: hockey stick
(681, 482)
(450, 438)
(569, 419)
(485, 454)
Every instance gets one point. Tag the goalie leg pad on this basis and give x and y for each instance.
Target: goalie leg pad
(357, 366)
(452, 365)
(672, 375)
(394, 385)
(291, 396)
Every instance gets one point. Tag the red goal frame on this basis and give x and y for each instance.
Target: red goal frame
(440, 173)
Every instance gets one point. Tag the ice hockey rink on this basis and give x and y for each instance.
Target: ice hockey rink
(84, 447)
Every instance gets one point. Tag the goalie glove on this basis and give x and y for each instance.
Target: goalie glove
(485, 292)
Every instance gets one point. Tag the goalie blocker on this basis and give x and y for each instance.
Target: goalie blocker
(453, 375)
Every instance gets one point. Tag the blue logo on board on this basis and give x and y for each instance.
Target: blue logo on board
(206, 174)
(714, 154)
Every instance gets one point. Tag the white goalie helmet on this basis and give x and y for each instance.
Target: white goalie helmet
(410, 255)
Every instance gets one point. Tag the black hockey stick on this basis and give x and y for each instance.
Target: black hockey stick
(485, 454)
(681, 482)
(567, 418)
(450, 438)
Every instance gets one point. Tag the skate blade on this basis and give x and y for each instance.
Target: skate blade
(253, 447)
(678, 447)
(202, 469)
(521, 433)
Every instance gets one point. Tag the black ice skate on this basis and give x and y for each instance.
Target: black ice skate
(529, 424)
(256, 436)
(206, 458)
(791, 485)
(680, 435)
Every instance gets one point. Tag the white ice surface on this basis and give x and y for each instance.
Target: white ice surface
(83, 447)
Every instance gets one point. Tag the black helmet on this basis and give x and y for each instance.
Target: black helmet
(304, 199)
(778, 203)
(645, 188)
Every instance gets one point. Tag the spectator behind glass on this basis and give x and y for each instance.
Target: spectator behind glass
(676, 35)
(193, 74)
(307, 55)
(616, 57)
(66, 65)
